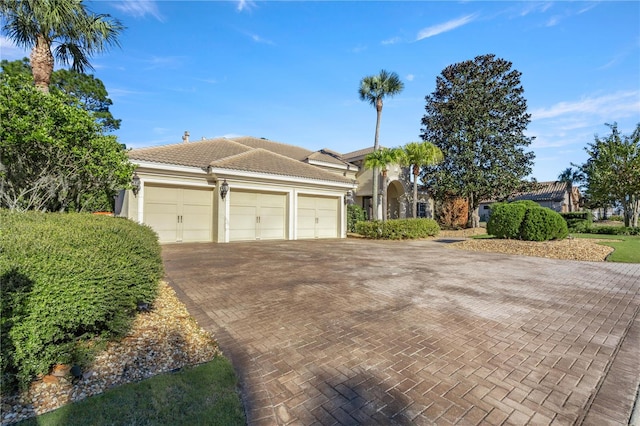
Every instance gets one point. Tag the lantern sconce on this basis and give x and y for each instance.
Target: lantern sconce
(224, 189)
(135, 184)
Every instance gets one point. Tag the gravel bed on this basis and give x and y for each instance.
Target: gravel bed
(567, 249)
(164, 339)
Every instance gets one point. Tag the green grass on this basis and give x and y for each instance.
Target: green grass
(627, 248)
(202, 395)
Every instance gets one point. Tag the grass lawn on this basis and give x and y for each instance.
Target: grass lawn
(627, 248)
(202, 395)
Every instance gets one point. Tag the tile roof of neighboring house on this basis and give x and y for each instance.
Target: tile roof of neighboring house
(545, 191)
(248, 154)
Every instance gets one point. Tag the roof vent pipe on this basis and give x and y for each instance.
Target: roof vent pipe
(185, 137)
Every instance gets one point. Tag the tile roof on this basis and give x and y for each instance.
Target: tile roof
(545, 191)
(244, 153)
(359, 153)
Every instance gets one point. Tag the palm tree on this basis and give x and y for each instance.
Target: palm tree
(570, 176)
(381, 159)
(416, 155)
(374, 89)
(74, 33)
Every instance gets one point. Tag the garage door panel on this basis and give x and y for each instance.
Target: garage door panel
(317, 217)
(257, 216)
(179, 214)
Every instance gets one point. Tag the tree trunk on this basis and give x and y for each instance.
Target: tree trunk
(416, 172)
(474, 212)
(42, 63)
(570, 187)
(376, 172)
(384, 195)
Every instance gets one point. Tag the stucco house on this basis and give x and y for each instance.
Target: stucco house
(552, 194)
(247, 188)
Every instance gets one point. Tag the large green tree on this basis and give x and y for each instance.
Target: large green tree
(374, 89)
(612, 171)
(380, 160)
(53, 154)
(89, 91)
(65, 29)
(417, 155)
(477, 116)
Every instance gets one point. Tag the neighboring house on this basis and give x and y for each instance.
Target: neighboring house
(399, 189)
(275, 191)
(554, 195)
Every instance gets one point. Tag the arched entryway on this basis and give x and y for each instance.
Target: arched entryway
(396, 200)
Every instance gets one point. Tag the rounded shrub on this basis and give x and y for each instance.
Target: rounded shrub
(526, 220)
(505, 219)
(68, 279)
(543, 224)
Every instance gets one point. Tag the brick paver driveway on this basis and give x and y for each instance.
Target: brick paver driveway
(365, 332)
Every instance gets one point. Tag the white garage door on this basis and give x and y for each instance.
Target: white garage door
(318, 217)
(178, 214)
(257, 216)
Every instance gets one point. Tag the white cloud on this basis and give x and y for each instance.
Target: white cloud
(10, 51)
(532, 7)
(410, 77)
(619, 104)
(245, 5)
(553, 21)
(259, 39)
(164, 62)
(445, 26)
(392, 40)
(139, 8)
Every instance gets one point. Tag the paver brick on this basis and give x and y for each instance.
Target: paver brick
(327, 333)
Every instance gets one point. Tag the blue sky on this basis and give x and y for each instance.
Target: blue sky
(289, 71)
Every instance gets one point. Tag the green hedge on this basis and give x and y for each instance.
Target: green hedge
(398, 229)
(355, 214)
(67, 279)
(578, 221)
(525, 220)
(614, 230)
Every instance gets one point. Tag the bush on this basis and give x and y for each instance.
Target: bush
(578, 221)
(616, 218)
(506, 218)
(398, 229)
(67, 280)
(355, 214)
(543, 224)
(525, 220)
(614, 230)
(454, 213)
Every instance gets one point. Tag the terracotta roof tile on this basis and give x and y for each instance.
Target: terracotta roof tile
(263, 161)
(194, 154)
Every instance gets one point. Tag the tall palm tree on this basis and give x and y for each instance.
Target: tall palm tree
(374, 89)
(66, 26)
(571, 177)
(380, 160)
(416, 155)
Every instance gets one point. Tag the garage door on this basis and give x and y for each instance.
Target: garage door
(317, 217)
(178, 214)
(257, 216)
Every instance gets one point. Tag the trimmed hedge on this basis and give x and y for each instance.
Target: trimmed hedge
(398, 229)
(68, 279)
(355, 214)
(578, 221)
(525, 220)
(614, 230)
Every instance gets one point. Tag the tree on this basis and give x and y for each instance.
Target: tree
(612, 171)
(374, 89)
(86, 89)
(570, 176)
(380, 160)
(477, 117)
(417, 155)
(53, 155)
(66, 26)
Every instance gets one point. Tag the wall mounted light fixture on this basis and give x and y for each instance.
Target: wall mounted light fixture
(224, 189)
(135, 184)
